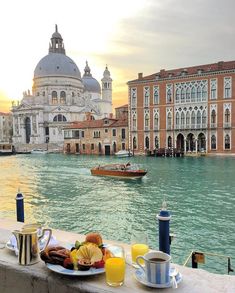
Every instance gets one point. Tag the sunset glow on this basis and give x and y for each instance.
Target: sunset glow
(129, 36)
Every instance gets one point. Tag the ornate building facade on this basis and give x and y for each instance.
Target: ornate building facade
(59, 95)
(190, 109)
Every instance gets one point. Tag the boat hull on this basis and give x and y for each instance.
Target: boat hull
(118, 173)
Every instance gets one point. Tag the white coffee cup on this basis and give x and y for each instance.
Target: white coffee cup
(157, 267)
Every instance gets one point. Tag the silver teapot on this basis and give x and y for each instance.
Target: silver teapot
(28, 244)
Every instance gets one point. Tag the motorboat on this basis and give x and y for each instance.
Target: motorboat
(6, 149)
(123, 154)
(39, 151)
(119, 170)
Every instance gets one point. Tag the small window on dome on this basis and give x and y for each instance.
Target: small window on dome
(58, 67)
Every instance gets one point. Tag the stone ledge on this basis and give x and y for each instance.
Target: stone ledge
(38, 279)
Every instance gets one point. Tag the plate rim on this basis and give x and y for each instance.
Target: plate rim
(148, 284)
(68, 272)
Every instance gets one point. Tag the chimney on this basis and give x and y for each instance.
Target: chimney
(110, 115)
(220, 65)
(88, 116)
(140, 75)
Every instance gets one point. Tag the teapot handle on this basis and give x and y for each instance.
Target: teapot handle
(49, 237)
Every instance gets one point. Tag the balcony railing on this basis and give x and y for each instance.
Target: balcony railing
(146, 128)
(213, 125)
(227, 124)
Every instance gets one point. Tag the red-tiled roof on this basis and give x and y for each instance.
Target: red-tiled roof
(97, 123)
(219, 66)
(124, 106)
(5, 114)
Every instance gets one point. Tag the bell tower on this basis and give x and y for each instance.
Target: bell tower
(106, 86)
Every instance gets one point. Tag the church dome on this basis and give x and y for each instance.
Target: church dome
(90, 83)
(55, 64)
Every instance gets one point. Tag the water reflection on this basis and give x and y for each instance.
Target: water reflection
(60, 192)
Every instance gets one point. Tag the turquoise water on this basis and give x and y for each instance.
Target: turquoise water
(60, 192)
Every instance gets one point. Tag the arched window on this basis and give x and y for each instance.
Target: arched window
(62, 97)
(134, 143)
(188, 94)
(177, 119)
(199, 93)
(177, 96)
(54, 97)
(198, 118)
(156, 121)
(156, 95)
(193, 120)
(146, 98)
(213, 117)
(213, 142)
(182, 95)
(133, 97)
(168, 96)
(169, 141)
(227, 116)
(204, 118)
(169, 120)
(134, 122)
(193, 94)
(213, 92)
(187, 119)
(156, 141)
(227, 90)
(227, 142)
(147, 142)
(146, 121)
(182, 119)
(204, 93)
(59, 118)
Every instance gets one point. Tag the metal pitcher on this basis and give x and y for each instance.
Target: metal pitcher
(28, 245)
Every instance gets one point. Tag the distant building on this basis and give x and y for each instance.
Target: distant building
(5, 127)
(191, 109)
(121, 112)
(59, 96)
(99, 137)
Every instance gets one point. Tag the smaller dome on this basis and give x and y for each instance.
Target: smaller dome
(90, 83)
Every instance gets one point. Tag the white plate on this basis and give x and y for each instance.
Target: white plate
(61, 270)
(140, 277)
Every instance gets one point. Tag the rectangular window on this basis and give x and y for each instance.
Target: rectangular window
(92, 146)
(83, 146)
(123, 133)
(77, 147)
(114, 132)
(83, 134)
(106, 130)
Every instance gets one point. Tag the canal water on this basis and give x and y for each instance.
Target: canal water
(60, 192)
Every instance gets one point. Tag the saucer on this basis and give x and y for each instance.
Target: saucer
(140, 277)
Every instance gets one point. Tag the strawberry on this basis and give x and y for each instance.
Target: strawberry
(98, 264)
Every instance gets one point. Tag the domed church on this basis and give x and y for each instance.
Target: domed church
(59, 96)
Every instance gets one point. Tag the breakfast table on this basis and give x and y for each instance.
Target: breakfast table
(37, 278)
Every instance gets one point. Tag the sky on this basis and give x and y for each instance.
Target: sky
(130, 36)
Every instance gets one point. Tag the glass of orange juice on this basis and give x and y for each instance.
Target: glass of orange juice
(139, 245)
(115, 266)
